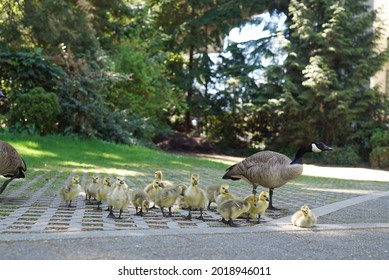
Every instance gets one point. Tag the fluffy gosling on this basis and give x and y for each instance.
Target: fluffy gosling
(140, 199)
(91, 189)
(118, 198)
(195, 197)
(212, 192)
(223, 194)
(71, 191)
(261, 204)
(233, 208)
(304, 218)
(102, 191)
(149, 189)
(166, 197)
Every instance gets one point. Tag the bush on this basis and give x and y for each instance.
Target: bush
(34, 112)
(379, 157)
(344, 156)
(380, 139)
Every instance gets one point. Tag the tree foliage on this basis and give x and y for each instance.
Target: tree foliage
(130, 69)
(332, 53)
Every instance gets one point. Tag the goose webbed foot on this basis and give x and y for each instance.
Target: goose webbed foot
(111, 215)
(98, 206)
(224, 221)
(69, 205)
(232, 224)
(201, 216)
(170, 213)
(271, 207)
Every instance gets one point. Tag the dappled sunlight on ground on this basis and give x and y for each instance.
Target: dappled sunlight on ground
(349, 173)
(348, 191)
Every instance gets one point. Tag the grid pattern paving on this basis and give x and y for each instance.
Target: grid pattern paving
(33, 204)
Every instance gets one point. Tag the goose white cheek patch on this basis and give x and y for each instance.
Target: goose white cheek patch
(315, 149)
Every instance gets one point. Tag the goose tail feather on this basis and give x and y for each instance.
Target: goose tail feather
(230, 173)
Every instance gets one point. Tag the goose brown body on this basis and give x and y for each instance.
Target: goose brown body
(271, 169)
(12, 164)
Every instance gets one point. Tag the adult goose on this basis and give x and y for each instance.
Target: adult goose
(271, 169)
(12, 164)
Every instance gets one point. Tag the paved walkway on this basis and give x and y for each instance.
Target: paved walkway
(351, 205)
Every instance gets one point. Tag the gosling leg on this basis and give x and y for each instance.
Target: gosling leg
(170, 212)
(189, 217)
(120, 214)
(201, 215)
(209, 206)
(70, 204)
(98, 205)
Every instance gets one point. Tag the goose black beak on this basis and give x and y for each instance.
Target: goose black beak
(327, 148)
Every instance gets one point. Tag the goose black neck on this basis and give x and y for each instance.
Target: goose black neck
(298, 159)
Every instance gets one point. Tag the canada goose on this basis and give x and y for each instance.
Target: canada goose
(166, 197)
(118, 198)
(233, 208)
(102, 191)
(223, 194)
(12, 164)
(71, 191)
(91, 188)
(195, 197)
(271, 169)
(140, 199)
(149, 189)
(304, 217)
(261, 204)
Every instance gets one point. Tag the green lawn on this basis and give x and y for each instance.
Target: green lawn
(68, 153)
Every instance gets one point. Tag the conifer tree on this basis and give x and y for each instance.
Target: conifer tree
(332, 54)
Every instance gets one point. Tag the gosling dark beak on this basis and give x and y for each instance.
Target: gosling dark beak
(267, 199)
(227, 191)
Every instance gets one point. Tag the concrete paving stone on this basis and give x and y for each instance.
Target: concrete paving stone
(31, 209)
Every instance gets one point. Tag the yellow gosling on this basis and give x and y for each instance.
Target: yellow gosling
(223, 194)
(261, 204)
(233, 208)
(149, 189)
(118, 198)
(140, 199)
(195, 197)
(71, 191)
(102, 191)
(304, 218)
(212, 192)
(91, 189)
(166, 197)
